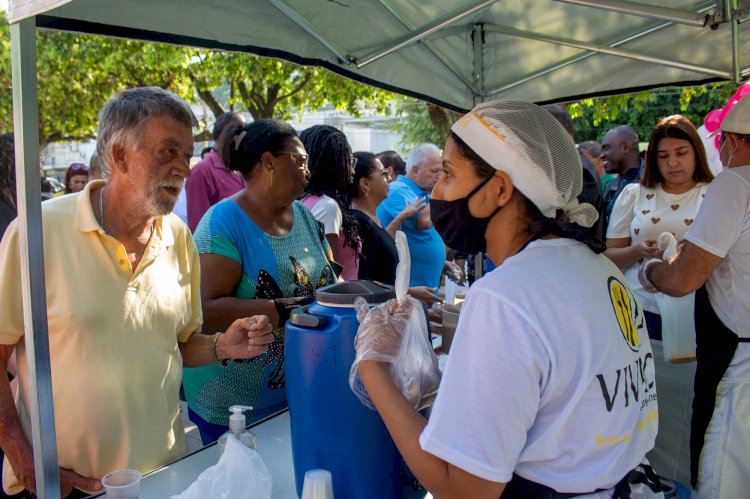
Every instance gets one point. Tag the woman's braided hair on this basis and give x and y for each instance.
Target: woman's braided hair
(331, 174)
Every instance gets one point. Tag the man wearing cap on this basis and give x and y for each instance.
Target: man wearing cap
(715, 262)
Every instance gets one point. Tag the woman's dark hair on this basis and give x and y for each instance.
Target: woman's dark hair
(364, 169)
(243, 146)
(675, 127)
(73, 170)
(481, 167)
(8, 169)
(331, 173)
(393, 160)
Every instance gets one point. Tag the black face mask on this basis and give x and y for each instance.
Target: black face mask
(459, 229)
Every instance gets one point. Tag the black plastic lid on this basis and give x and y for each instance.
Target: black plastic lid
(344, 293)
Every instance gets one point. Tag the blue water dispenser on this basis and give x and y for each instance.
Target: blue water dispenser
(331, 429)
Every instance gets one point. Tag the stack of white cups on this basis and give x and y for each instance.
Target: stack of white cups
(318, 485)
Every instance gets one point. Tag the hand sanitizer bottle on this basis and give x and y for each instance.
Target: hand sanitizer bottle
(237, 423)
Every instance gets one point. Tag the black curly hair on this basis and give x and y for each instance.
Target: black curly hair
(8, 169)
(331, 174)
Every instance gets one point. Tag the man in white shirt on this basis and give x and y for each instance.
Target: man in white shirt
(715, 261)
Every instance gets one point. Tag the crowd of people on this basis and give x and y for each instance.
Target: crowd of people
(550, 389)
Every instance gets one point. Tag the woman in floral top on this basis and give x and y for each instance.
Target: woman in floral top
(261, 252)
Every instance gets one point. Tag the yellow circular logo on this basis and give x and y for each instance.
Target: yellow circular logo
(625, 310)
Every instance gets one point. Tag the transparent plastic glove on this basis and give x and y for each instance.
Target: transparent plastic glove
(396, 333)
(643, 278)
(381, 329)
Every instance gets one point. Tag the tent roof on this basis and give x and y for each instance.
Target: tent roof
(451, 52)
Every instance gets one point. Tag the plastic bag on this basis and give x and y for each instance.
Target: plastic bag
(395, 332)
(667, 243)
(677, 327)
(240, 472)
(677, 321)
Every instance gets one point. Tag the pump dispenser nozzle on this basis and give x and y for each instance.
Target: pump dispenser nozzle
(237, 420)
(237, 423)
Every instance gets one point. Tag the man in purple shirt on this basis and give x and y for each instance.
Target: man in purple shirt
(211, 181)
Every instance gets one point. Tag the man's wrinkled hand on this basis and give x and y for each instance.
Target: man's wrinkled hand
(70, 480)
(248, 337)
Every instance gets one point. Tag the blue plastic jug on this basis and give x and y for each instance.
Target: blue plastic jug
(331, 429)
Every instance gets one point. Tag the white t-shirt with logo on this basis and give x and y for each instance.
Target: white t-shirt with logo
(722, 227)
(550, 374)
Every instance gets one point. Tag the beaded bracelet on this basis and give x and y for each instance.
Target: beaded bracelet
(215, 356)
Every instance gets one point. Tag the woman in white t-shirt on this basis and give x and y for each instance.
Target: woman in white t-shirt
(674, 183)
(549, 387)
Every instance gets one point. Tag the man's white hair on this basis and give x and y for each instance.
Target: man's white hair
(419, 155)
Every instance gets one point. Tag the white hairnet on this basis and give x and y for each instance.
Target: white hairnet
(530, 145)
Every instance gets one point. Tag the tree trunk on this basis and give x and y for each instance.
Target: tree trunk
(441, 119)
(211, 102)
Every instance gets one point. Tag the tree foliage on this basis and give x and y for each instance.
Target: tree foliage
(594, 117)
(419, 121)
(77, 74)
(272, 88)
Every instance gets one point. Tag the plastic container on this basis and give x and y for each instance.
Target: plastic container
(237, 425)
(331, 429)
(450, 321)
(122, 484)
(318, 485)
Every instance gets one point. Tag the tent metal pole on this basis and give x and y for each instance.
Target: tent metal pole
(422, 32)
(25, 120)
(649, 11)
(578, 58)
(477, 40)
(732, 4)
(300, 21)
(458, 73)
(610, 51)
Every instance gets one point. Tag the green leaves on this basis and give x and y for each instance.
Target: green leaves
(78, 73)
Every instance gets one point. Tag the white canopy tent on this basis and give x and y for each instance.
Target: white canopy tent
(451, 52)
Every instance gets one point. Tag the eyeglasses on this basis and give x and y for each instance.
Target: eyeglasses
(352, 161)
(79, 167)
(299, 159)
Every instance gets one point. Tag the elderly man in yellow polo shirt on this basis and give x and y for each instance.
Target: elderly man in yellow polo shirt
(123, 305)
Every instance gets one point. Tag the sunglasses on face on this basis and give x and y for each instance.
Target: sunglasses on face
(299, 159)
